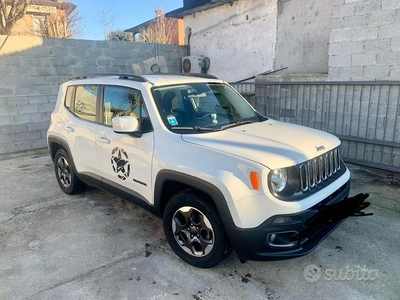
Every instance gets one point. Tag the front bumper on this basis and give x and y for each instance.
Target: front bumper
(294, 235)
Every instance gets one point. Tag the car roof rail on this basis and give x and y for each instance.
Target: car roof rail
(120, 76)
(200, 75)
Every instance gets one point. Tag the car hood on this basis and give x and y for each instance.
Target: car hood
(271, 143)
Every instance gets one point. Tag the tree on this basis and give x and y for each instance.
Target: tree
(120, 35)
(73, 23)
(161, 31)
(10, 12)
(106, 20)
(62, 24)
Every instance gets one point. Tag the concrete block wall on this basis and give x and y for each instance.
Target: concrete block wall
(365, 40)
(302, 38)
(32, 68)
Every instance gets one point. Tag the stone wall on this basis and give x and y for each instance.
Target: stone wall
(32, 68)
(365, 40)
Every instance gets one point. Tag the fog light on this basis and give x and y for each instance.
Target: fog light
(272, 237)
(282, 239)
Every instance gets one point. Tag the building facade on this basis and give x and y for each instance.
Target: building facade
(47, 18)
(338, 39)
(244, 38)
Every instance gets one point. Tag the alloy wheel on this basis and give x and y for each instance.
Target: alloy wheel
(64, 172)
(193, 231)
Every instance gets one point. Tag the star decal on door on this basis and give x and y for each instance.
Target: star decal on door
(120, 163)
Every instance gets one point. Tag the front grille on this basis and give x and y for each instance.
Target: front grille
(319, 170)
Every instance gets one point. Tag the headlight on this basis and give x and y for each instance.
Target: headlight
(278, 180)
(284, 182)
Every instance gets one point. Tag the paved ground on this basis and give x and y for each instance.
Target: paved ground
(95, 246)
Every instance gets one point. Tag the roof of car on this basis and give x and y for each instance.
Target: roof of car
(155, 79)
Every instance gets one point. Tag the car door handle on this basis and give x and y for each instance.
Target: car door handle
(103, 139)
(69, 128)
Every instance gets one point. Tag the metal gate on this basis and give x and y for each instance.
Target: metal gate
(364, 115)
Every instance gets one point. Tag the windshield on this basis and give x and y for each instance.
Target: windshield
(202, 107)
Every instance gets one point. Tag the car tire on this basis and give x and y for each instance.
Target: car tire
(194, 230)
(65, 174)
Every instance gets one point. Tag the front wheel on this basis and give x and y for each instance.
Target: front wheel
(194, 231)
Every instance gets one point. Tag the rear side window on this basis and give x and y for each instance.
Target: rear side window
(85, 102)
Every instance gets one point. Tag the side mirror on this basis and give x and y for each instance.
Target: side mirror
(125, 124)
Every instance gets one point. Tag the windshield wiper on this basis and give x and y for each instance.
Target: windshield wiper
(237, 123)
(196, 128)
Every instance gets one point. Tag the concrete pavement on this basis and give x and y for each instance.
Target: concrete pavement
(96, 246)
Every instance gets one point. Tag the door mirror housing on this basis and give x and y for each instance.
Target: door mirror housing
(125, 124)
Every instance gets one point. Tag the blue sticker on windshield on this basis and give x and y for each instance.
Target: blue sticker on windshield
(172, 120)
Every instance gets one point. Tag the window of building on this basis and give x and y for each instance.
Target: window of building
(39, 22)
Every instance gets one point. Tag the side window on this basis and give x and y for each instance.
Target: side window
(120, 101)
(69, 97)
(123, 101)
(85, 102)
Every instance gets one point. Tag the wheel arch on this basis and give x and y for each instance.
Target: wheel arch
(168, 183)
(56, 144)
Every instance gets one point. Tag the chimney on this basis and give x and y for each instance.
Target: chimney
(159, 13)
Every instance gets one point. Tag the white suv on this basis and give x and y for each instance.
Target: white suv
(191, 150)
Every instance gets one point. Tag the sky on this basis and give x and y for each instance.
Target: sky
(120, 14)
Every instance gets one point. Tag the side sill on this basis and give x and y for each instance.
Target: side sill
(127, 194)
(115, 189)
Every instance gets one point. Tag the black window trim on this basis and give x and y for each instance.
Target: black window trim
(99, 120)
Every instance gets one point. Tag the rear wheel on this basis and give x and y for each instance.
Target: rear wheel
(65, 174)
(194, 230)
